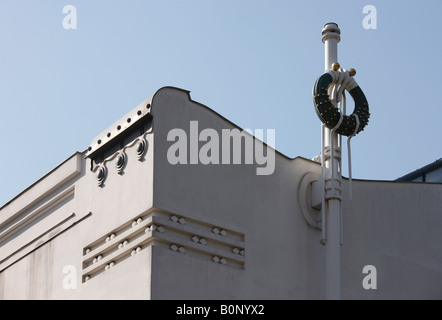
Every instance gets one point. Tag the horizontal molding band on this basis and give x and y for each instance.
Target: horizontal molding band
(179, 233)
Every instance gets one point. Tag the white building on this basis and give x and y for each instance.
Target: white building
(120, 221)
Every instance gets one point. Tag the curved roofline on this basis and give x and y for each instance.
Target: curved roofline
(222, 117)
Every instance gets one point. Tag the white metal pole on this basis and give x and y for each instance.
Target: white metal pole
(333, 180)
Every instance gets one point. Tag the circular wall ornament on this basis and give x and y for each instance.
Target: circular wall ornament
(120, 162)
(312, 216)
(100, 174)
(140, 148)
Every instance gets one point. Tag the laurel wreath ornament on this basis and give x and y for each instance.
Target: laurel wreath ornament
(327, 107)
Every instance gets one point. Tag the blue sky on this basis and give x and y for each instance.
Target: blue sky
(254, 62)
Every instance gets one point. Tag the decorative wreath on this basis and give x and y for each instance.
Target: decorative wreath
(327, 110)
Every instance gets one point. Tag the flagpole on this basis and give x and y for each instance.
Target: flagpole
(333, 181)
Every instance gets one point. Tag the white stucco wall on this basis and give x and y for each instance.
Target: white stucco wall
(49, 234)
(396, 228)
(281, 250)
(153, 228)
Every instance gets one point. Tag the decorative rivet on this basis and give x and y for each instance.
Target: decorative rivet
(195, 239)
(203, 241)
(174, 218)
(138, 249)
(223, 233)
(161, 229)
(87, 251)
(223, 261)
(235, 250)
(139, 112)
(173, 247)
(215, 259)
(153, 227)
(182, 220)
(139, 220)
(148, 106)
(86, 278)
(215, 230)
(182, 250)
(242, 252)
(134, 223)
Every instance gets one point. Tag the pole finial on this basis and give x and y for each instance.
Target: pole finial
(331, 30)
